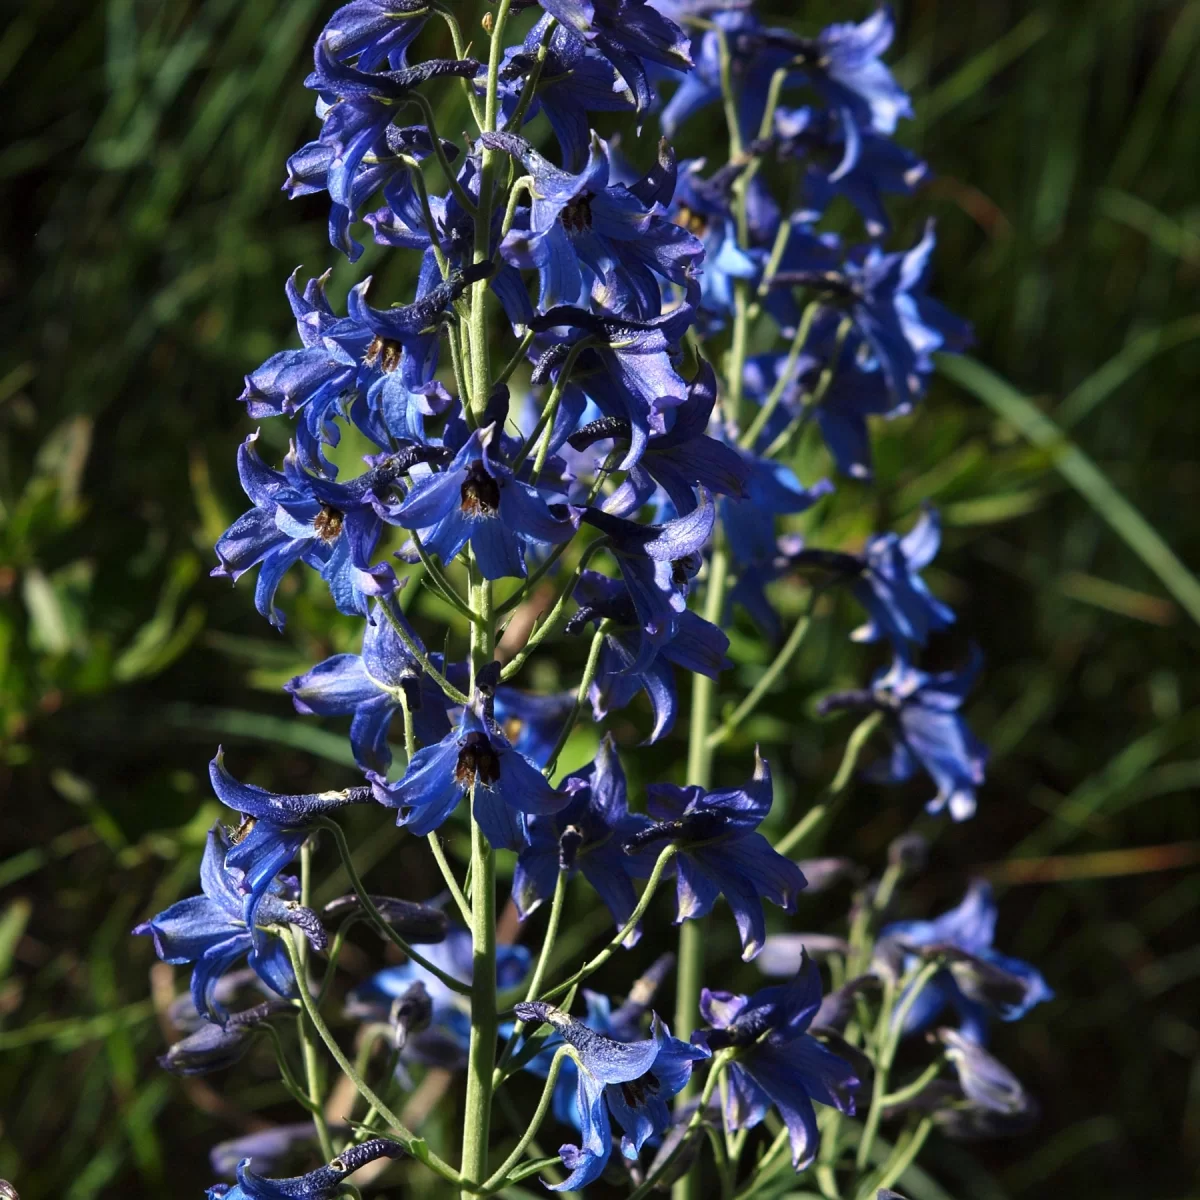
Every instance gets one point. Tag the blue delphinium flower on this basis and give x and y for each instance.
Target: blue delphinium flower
(345, 367)
(587, 835)
(475, 755)
(444, 1043)
(272, 830)
(477, 499)
(658, 563)
(322, 1184)
(979, 979)
(370, 31)
(211, 931)
(576, 81)
(297, 517)
(629, 369)
(720, 851)
(265, 1147)
(819, 138)
(214, 1047)
(372, 686)
(357, 106)
(884, 296)
(777, 1061)
(927, 731)
(586, 237)
(885, 579)
(681, 460)
(315, 167)
(629, 1081)
(624, 671)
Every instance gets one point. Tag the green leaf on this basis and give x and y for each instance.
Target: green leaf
(1080, 472)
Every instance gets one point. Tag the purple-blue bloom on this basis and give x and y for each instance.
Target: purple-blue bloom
(477, 499)
(587, 835)
(211, 931)
(720, 851)
(927, 732)
(322, 1184)
(628, 1081)
(978, 979)
(372, 686)
(474, 756)
(588, 238)
(777, 1061)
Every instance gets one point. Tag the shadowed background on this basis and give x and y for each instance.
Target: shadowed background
(144, 252)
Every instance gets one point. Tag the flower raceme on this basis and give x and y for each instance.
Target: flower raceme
(585, 413)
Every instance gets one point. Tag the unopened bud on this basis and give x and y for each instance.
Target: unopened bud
(488, 23)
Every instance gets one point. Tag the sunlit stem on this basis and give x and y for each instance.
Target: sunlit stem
(585, 683)
(312, 1064)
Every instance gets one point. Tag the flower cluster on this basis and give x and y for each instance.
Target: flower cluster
(610, 462)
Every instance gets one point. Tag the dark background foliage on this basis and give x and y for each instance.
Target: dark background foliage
(145, 247)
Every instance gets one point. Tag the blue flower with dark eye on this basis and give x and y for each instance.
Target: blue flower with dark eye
(532, 722)
(474, 755)
(885, 579)
(658, 563)
(587, 835)
(333, 528)
(679, 461)
(211, 931)
(821, 140)
(315, 167)
(272, 830)
(477, 499)
(628, 369)
(926, 729)
(322, 1184)
(978, 980)
(373, 686)
(347, 368)
(444, 1042)
(720, 851)
(628, 1081)
(587, 238)
(695, 645)
(778, 1063)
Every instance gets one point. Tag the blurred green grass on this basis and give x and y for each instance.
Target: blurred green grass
(145, 248)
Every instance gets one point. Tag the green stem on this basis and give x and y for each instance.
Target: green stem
(513, 363)
(594, 964)
(549, 409)
(414, 1145)
(498, 1179)
(912, 1090)
(376, 917)
(312, 1064)
(764, 685)
(444, 587)
(481, 1052)
(902, 1158)
(417, 175)
(419, 654)
(785, 377)
(531, 80)
(822, 811)
(465, 202)
(460, 51)
(589, 675)
(810, 404)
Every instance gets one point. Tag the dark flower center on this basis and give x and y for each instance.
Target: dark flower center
(242, 832)
(577, 216)
(637, 1090)
(691, 220)
(384, 352)
(328, 523)
(477, 761)
(480, 494)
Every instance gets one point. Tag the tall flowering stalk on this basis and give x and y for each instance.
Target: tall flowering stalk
(601, 382)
